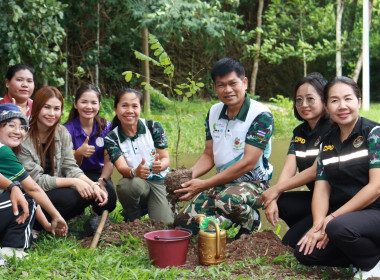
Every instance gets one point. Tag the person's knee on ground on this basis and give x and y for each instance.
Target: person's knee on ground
(112, 198)
(184, 220)
(158, 205)
(130, 193)
(236, 206)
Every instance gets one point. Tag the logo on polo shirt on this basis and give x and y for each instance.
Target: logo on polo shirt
(153, 154)
(328, 148)
(299, 139)
(358, 141)
(316, 143)
(237, 143)
(99, 142)
(217, 128)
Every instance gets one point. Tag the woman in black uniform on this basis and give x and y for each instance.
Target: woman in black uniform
(346, 204)
(295, 207)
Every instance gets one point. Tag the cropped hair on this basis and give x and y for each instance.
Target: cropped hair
(226, 66)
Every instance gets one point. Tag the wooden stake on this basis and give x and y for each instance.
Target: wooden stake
(99, 230)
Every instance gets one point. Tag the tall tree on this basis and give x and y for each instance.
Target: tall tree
(32, 33)
(301, 29)
(339, 15)
(146, 73)
(359, 63)
(97, 44)
(255, 70)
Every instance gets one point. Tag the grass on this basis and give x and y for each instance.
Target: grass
(64, 258)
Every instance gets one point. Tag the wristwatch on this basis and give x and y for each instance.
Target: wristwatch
(102, 179)
(14, 184)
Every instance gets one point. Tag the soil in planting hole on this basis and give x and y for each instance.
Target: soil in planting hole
(265, 244)
(262, 244)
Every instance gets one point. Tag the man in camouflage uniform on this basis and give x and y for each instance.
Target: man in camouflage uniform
(238, 133)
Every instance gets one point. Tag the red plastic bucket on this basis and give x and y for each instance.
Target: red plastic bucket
(168, 247)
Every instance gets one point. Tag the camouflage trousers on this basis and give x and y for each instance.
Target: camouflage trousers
(235, 201)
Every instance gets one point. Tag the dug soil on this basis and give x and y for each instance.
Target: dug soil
(264, 245)
(173, 181)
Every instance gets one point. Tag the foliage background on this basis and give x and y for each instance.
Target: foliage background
(59, 38)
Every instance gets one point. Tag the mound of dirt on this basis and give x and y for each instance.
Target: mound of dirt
(262, 244)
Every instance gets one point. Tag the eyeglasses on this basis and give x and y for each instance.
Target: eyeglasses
(309, 101)
(14, 126)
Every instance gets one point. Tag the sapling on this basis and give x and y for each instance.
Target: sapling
(179, 92)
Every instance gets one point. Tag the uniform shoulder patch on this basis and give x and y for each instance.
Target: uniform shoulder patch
(358, 141)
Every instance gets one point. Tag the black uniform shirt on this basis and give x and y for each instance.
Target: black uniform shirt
(305, 144)
(346, 165)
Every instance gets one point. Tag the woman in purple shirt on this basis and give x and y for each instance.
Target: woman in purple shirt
(87, 131)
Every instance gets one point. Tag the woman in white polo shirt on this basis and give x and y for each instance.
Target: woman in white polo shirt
(137, 148)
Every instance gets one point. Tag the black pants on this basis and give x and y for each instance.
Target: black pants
(13, 234)
(354, 239)
(70, 204)
(111, 205)
(295, 209)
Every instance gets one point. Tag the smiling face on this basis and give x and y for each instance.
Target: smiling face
(50, 113)
(88, 105)
(128, 109)
(231, 89)
(21, 86)
(10, 133)
(305, 96)
(343, 105)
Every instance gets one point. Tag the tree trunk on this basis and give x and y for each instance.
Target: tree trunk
(303, 40)
(339, 14)
(67, 67)
(359, 63)
(255, 70)
(98, 49)
(146, 74)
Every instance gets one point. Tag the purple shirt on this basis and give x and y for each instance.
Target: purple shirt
(96, 161)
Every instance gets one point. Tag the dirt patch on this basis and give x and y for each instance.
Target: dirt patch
(262, 244)
(173, 181)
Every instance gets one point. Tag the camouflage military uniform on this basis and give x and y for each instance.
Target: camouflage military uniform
(237, 200)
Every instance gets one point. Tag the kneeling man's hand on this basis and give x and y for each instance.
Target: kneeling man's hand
(191, 188)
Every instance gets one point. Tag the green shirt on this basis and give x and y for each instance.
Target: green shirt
(10, 167)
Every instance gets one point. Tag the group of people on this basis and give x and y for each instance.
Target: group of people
(62, 169)
(50, 173)
(336, 153)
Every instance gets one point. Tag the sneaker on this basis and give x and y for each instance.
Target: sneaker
(257, 222)
(3, 261)
(10, 252)
(225, 222)
(374, 272)
(35, 234)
